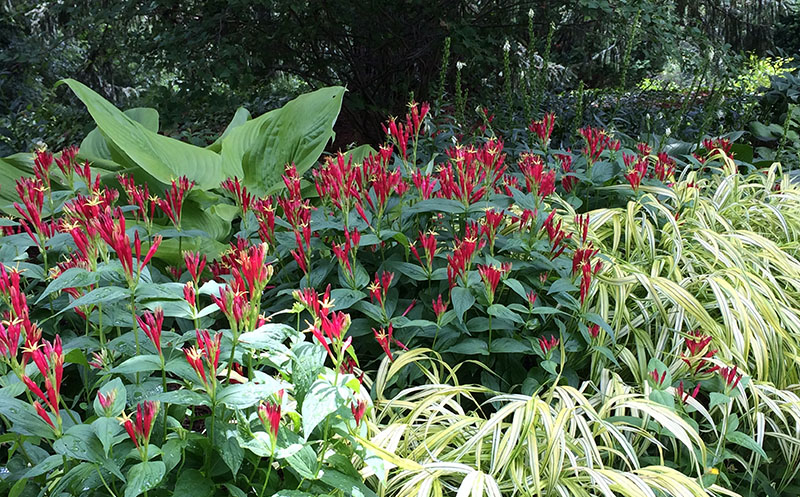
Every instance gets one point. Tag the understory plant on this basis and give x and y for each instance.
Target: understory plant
(449, 314)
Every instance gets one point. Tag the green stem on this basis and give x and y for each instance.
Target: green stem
(135, 327)
(269, 471)
(230, 360)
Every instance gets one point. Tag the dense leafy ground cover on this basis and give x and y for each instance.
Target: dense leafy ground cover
(451, 314)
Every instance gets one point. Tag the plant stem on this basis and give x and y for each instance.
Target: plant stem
(269, 471)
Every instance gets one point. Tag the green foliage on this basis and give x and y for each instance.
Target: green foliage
(450, 313)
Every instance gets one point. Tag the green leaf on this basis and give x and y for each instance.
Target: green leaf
(106, 429)
(18, 487)
(717, 399)
(192, 483)
(143, 477)
(510, 346)
(660, 368)
(308, 360)
(435, 205)
(747, 442)
(664, 398)
(139, 364)
(11, 169)
(562, 285)
(80, 442)
(119, 401)
(413, 271)
(97, 150)
(469, 346)
(162, 157)
(183, 397)
(343, 298)
(462, 301)
(23, 418)
(503, 312)
(232, 454)
(99, 296)
(240, 117)
(296, 133)
(347, 484)
(243, 395)
(73, 277)
(322, 400)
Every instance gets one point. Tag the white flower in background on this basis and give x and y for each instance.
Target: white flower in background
(454, 140)
(478, 109)
(647, 116)
(530, 13)
(720, 114)
(500, 74)
(507, 46)
(667, 132)
(460, 65)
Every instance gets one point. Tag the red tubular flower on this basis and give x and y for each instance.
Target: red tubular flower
(596, 141)
(643, 149)
(9, 338)
(399, 134)
(730, 376)
(66, 163)
(425, 183)
(139, 197)
(594, 330)
(493, 220)
(49, 359)
(172, 204)
(491, 278)
(264, 210)
(544, 128)
(239, 192)
(140, 428)
(107, 400)
(664, 167)
(538, 182)
(137, 244)
(416, 116)
(151, 323)
(380, 286)
(683, 396)
(723, 144)
(195, 263)
(531, 297)
(439, 307)
(428, 243)
(195, 359)
(31, 192)
(270, 415)
(471, 171)
(698, 353)
(41, 166)
(385, 340)
(359, 409)
(658, 379)
(205, 355)
(548, 345)
(44, 415)
(567, 182)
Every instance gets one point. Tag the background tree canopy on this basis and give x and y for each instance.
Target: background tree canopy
(195, 60)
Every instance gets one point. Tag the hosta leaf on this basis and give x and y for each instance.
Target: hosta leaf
(162, 157)
(322, 400)
(298, 132)
(510, 346)
(95, 148)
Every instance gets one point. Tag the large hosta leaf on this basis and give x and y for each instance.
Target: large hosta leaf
(103, 153)
(11, 169)
(162, 157)
(259, 148)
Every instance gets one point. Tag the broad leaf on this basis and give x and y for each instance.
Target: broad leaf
(144, 476)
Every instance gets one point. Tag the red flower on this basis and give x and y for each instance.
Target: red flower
(359, 409)
(658, 379)
(172, 205)
(439, 307)
(195, 263)
(385, 340)
(730, 376)
(380, 286)
(428, 243)
(684, 395)
(139, 430)
(538, 182)
(270, 415)
(239, 192)
(544, 128)
(594, 330)
(491, 278)
(151, 323)
(596, 141)
(425, 183)
(548, 345)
